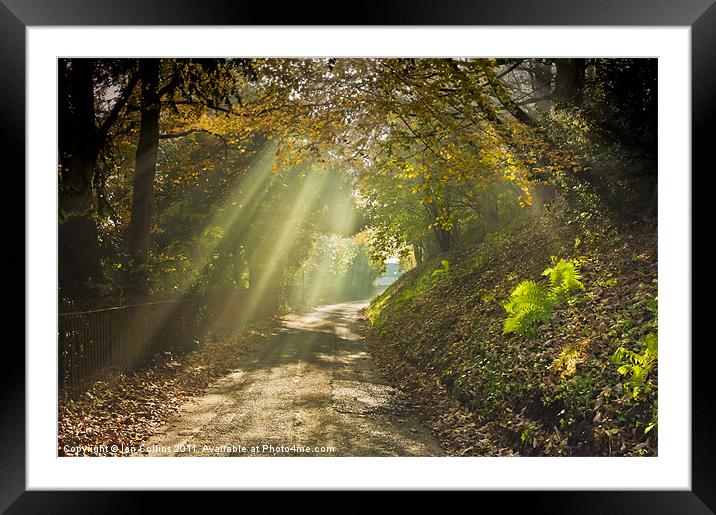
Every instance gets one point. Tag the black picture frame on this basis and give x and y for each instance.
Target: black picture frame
(17, 15)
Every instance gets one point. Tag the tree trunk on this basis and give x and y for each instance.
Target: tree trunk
(78, 147)
(542, 86)
(490, 213)
(79, 267)
(443, 237)
(145, 170)
(569, 81)
(418, 254)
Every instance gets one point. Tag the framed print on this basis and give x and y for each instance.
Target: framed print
(428, 250)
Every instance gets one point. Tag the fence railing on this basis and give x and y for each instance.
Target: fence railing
(96, 340)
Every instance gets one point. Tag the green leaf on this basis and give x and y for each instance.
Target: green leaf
(619, 355)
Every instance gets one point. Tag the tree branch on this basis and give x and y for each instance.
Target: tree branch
(121, 102)
(172, 135)
(534, 100)
(511, 68)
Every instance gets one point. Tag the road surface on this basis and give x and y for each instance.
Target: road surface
(310, 390)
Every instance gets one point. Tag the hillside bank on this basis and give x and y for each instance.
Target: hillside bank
(583, 384)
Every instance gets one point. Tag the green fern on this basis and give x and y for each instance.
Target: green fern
(532, 302)
(564, 280)
(528, 304)
(636, 366)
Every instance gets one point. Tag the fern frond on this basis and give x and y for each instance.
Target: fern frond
(564, 279)
(528, 304)
(532, 302)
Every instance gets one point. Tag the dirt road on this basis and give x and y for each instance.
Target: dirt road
(311, 390)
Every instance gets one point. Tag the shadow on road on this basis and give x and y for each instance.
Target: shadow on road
(311, 389)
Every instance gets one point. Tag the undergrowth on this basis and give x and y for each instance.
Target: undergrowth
(574, 372)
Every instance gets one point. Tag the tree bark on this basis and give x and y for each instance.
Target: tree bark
(80, 141)
(542, 85)
(418, 254)
(145, 169)
(443, 237)
(569, 81)
(78, 147)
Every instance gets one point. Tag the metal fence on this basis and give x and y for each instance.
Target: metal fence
(96, 339)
